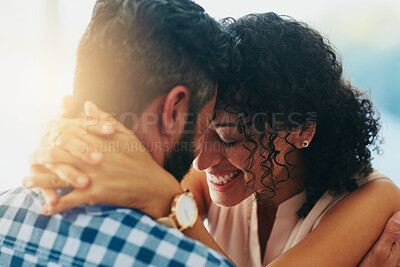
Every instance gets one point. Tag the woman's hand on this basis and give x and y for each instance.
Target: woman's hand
(108, 154)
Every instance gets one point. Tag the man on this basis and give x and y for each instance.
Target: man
(145, 57)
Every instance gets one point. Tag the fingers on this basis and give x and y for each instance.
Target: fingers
(44, 180)
(54, 155)
(89, 196)
(386, 251)
(93, 112)
(50, 196)
(82, 126)
(70, 175)
(395, 255)
(36, 169)
(61, 176)
(69, 107)
(84, 150)
(67, 131)
(99, 123)
(391, 233)
(46, 140)
(73, 199)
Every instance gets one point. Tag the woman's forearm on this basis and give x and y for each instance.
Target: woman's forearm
(199, 232)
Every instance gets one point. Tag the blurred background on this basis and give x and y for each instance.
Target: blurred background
(38, 41)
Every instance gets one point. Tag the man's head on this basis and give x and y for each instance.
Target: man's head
(158, 57)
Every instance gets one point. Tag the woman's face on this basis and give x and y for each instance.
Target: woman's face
(224, 158)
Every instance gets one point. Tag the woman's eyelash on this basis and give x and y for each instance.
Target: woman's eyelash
(228, 144)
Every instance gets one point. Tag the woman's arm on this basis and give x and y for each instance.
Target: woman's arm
(349, 230)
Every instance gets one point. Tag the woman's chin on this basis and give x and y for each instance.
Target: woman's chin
(225, 202)
(229, 199)
(231, 193)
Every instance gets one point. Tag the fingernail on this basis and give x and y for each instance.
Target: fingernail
(49, 200)
(396, 218)
(53, 202)
(90, 110)
(82, 181)
(108, 128)
(96, 156)
(90, 107)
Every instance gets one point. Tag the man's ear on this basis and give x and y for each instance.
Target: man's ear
(304, 137)
(174, 114)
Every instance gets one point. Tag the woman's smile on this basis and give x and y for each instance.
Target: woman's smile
(223, 182)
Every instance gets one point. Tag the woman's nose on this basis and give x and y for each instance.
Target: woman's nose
(207, 155)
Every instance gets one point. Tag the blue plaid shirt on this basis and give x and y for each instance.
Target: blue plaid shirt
(101, 235)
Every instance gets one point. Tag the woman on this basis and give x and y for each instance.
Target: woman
(287, 156)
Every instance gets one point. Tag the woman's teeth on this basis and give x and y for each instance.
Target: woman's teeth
(222, 179)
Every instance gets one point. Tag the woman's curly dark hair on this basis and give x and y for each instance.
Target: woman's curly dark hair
(289, 69)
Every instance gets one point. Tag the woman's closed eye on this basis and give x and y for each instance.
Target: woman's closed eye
(228, 144)
(228, 136)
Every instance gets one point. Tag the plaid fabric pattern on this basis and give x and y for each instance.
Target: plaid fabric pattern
(100, 235)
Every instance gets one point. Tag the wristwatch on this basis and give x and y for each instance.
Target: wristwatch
(184, 212)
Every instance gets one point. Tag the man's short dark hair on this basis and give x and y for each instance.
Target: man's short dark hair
(136, 50)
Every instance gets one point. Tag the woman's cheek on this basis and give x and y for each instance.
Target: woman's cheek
(238, 155)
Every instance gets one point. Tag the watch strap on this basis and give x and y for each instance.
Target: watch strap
(167, 221)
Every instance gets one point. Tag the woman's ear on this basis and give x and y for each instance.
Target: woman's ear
(305, 135)
(174, 114)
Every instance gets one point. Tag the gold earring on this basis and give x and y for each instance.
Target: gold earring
(305, 144)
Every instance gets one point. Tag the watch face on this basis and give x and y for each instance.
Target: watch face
(186, 213)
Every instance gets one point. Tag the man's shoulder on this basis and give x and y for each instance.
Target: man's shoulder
(15, 203)
(88, 235)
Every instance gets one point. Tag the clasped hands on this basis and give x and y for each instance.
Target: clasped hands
(103, 162)
(72, 154)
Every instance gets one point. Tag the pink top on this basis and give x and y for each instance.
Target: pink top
(235, 229)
